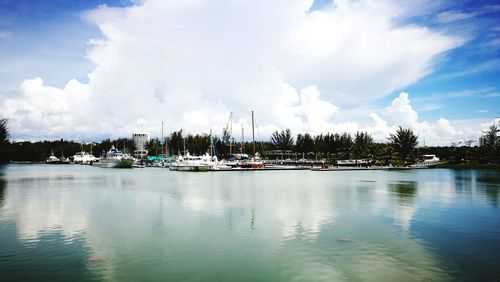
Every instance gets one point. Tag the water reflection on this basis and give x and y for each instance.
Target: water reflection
(464, 181)
(3, 189)
(488, 182)
(405, 191)
(472, 183)
(147, 224)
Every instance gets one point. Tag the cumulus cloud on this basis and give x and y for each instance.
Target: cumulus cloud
(190, 63)
(401, 113)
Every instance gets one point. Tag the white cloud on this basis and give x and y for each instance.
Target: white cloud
(453, 16)
(190, 63)
(440, 132)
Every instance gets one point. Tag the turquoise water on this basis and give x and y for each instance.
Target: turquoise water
(81, 223)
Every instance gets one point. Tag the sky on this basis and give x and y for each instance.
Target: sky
(92, 69)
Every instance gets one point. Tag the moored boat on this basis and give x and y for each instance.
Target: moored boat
(84, 158)
(427, 161)
(53, 160)
(115, 158)
(190, 163)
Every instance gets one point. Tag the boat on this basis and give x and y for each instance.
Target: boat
(84, 158)
(190, 163)
(53, 159)
(255, 162)
(427, 161)
(115, 158)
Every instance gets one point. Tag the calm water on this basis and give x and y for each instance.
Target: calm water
(80, 223)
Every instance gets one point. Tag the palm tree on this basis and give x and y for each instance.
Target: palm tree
(282, 140)
(4, 140)
(304, 143)
(362, 143)
(404, 142)
(491, 139)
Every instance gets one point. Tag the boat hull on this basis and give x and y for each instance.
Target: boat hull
(115, 164)
(189, 167)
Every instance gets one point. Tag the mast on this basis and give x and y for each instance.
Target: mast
(253, 138)
(242, 138)
(231, 134)
(210, 143)
(162, 139)
(184, 140)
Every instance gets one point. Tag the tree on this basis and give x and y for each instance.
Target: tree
(282, 140)
(404, 142)
(491, 139)
(176, 142)
(362, 143)
(4, 141)
(304, 143)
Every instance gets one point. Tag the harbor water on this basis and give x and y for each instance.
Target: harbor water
(83, 223)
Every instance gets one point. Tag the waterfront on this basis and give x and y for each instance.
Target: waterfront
(60, 223)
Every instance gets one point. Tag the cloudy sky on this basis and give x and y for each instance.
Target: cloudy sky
(90, 69)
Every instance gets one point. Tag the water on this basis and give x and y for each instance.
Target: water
(80, 223)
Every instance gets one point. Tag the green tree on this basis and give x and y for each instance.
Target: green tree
(404, 142)
(361, 146)
(491, 143)
(304, 143)
(176, 142)
(282, 140)
(4, 141)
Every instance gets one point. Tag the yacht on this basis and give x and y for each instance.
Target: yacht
(53, 160)
(427, 161)
(84, 158)
(115, 159)
(190, 163)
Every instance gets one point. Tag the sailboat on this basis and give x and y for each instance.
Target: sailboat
(254, 162)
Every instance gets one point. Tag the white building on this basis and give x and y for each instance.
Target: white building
(140, 141)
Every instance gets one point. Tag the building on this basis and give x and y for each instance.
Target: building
(140, 141)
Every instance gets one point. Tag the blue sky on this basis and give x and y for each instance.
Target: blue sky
(51, 40)
(466, 81)
(45, 38)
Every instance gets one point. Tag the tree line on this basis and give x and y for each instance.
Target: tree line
(400, 147)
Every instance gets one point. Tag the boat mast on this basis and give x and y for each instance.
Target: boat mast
(242, 138)
(211, 145)
(253, 138)
(162, 139)
(184, 140)
(231, 134)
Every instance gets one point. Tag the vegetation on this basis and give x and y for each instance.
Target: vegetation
(4, 141)
(401, 148)
(404, 143)
(282, 140)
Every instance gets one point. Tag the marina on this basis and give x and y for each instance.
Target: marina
(280, 141)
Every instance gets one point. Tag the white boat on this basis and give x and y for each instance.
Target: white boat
(115, 159)
(53, 160)
(84, 158)
(214, 163)
(427, 161)
(190, 163)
